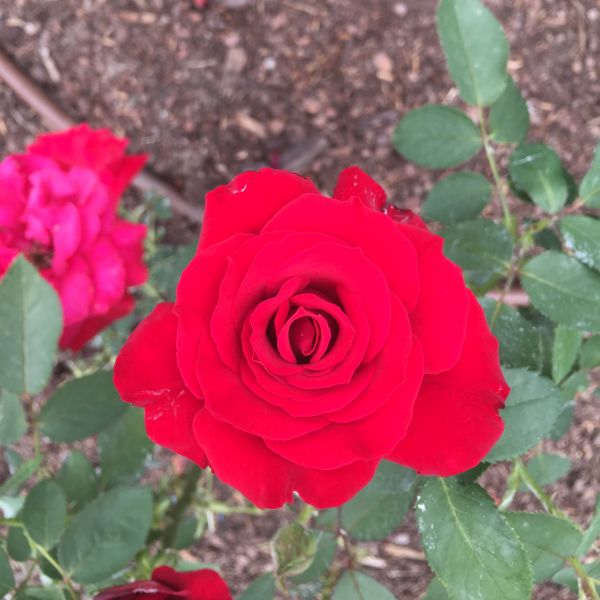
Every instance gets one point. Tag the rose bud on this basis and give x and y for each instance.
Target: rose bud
(168, 584)
(311, 338)
(58, 207)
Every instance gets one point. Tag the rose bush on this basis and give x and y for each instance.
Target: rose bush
(58, 207)
(311, 338)
(168, 584)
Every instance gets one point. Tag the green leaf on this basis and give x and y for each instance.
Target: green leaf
(45, 513)
(582, 238)
(78, 479)
(13, 424)
(24, 471)
(568, 578)
(521, 343)
(536, 170)
(262, 588)
(592, 533)
(17, 546)
(547, 468)
(509, 116)
(326, 549)
(548, 541)
(570, 387)
(354, 585)
(437, 137)
(166, 267)
(469, 544)
(186, 533)
(589, 357)
(482, 248)
(380, 508)
(7, 580)
(30, 325)
(81, 408)
(476, 49)
(457, 197)
(567, 343)
(294, 548)
(124, 448)
(41, 593)
(564, 290)
(590, 185)
(436, 591)
(531, 409)
(105, 535)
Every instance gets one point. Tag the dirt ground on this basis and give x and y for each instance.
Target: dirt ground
(311, 85)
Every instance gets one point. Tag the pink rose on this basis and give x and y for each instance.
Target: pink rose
(58, 207)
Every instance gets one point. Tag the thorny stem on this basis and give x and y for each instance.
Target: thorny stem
(489, 153)
(549, 506)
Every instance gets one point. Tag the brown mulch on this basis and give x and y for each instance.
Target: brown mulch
(314, 85)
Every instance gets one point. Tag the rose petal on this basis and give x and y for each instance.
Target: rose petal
(354, 182)
(455, 420)
(204, 584)
(266, 479)
(248, 202)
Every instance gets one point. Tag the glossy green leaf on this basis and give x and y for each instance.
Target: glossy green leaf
(574, 384)
(17, 545)
(30, 325)
(41, 593)
(581, 236)
(7, 579)
(482, 248)
(592, 533)
(124, 448)
(589, 189)
(567, 343)
(436, 591)
(45, 513)
(81, 408)
(380, 507)
(509, 116)
(13, 424)
(262, 588)
(589, 357)
(166, 267)
(521, 344)
(437, 137)
(186, 533)
(547, 468)
(536, 170)
(354, 585)
(469, 544)
(105, 535)
(457, 197)
(564, 290)
(78, 479)
(548, 541)
(531, 410)
(476, 49)
(23, 472)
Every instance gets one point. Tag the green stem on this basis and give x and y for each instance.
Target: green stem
(549, 506)
(177, 511)
(489, 153)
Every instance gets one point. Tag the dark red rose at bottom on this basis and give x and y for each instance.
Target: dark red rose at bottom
(311, 338)
(168, 584)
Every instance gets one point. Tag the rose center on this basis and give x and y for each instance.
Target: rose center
(304, 337)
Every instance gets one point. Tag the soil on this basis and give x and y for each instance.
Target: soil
(311, 85)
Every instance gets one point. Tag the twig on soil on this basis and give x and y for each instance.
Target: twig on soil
(56, 118)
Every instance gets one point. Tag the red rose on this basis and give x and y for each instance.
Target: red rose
(311, 338)
(58, 206)
(168, 584)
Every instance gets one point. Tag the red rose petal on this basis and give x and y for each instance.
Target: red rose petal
(354, 182)
(146, 374)
(407, 217)
(366, 439)
(248, 202)
(266, 479)
(152, 590)
(356, 225)
(455, 420)
(204, 584)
